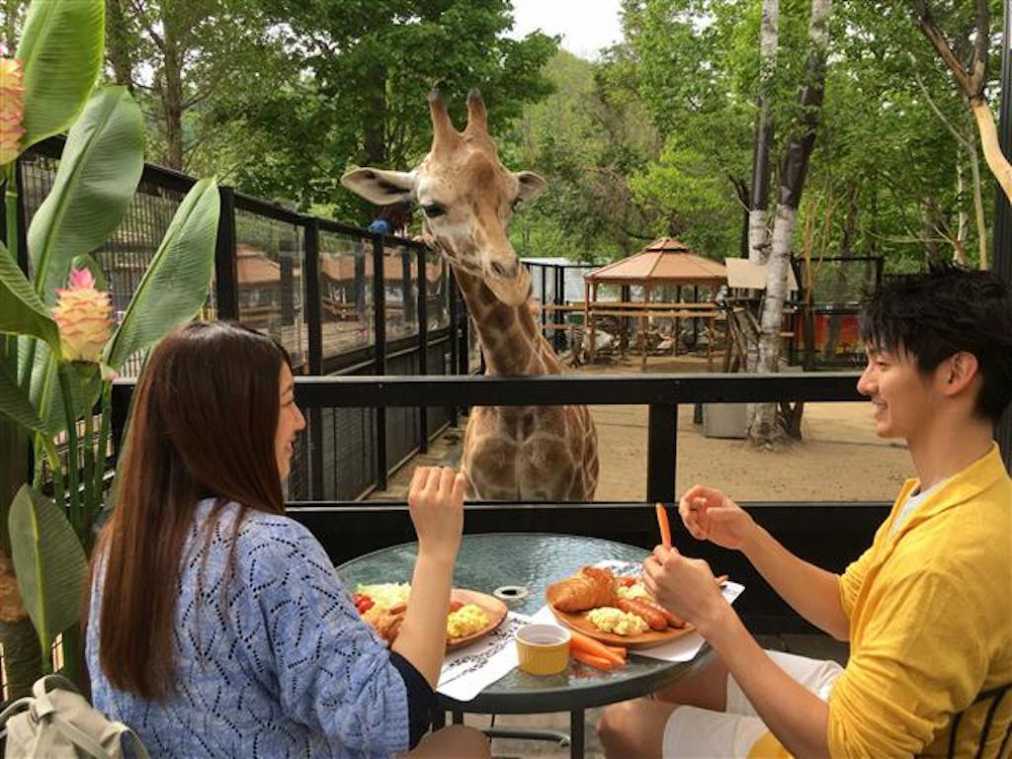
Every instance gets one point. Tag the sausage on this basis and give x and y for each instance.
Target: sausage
(654, 618)
(673, 620)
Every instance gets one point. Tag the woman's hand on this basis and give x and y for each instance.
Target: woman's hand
(685, 587)
(436, 502)
(708, 514)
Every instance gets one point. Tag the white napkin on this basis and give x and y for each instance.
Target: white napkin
(467, 671)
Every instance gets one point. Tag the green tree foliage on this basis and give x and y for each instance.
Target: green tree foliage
(363, 69)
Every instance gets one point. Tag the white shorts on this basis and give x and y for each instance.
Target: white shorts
(692, 732)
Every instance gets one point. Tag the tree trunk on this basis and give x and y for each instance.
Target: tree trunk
(758, 232)
(978, 201)
(172, 95)
(763, 429)
(963, 221)
(118, 44)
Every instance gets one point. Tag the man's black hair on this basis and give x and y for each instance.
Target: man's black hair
(947, 310)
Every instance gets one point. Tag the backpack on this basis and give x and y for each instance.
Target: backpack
(57, 722)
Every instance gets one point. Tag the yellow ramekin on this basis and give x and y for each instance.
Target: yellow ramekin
(543, 649)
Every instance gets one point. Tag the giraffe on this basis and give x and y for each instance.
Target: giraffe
(510, 453)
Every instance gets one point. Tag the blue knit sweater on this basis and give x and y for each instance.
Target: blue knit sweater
(279, 665)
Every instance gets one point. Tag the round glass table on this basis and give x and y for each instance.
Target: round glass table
(532, 561)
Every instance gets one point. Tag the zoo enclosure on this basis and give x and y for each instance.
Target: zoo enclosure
(342, 301)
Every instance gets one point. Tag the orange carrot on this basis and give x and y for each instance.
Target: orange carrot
(580, 643)
(595, 661)
(617, 650)
(662, 521)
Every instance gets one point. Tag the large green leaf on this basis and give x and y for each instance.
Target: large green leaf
(14, 405)
(61, 50)
(49, 562)
(99, 170)
(175, 285)
(21, 310)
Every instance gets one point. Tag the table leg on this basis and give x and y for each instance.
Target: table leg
(438, 718)
(458, 718)
(576, 734)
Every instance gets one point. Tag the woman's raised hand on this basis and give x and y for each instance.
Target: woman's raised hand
(436, 502)
(708, 514)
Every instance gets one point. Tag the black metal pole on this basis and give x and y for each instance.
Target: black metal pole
(19, 184)
(380, 360)
(314, 314)
(1003, 216)
(423, 344)
(451, 284)
(662, 429)
(226, 277)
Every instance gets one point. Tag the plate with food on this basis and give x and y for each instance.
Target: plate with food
(615, 610)
(472, 614)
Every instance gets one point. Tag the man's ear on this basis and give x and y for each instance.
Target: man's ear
(380, 187)
(958, 372)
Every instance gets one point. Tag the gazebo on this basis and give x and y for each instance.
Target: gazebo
(665, 262)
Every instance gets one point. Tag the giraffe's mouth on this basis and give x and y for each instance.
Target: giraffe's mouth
(512, 292)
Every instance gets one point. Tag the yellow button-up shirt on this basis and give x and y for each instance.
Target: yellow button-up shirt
(930, 613)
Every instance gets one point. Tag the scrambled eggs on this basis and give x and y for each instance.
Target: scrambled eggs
(632, 592)
(611, 620)
(468, 619)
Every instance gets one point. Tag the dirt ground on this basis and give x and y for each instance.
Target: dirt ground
(839, 459)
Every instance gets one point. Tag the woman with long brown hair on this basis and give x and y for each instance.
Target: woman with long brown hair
(218, 626)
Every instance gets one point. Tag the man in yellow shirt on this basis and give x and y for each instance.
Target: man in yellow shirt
(927, 608)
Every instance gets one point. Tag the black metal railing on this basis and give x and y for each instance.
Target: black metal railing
(662, 394)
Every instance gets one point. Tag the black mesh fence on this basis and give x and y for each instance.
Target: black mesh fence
(128, 252)
(311, 284)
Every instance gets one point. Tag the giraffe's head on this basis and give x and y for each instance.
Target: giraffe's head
(467, 196)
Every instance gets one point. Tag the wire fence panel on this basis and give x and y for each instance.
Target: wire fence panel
(400, 283)
(128, 252)
(346, 301)
(269, 264)
(263, 261)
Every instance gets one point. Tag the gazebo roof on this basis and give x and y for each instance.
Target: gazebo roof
(664, 261)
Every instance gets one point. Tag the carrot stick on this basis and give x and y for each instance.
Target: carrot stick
(594, 661)
(580, 643)
(617, 650)
(662, 521)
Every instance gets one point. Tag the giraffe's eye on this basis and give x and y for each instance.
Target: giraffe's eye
(433, 210)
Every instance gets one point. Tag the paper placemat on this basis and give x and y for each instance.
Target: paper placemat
(467, 671)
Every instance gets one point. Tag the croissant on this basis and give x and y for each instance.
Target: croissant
(591, 588)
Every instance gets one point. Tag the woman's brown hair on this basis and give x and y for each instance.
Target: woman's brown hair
(202, 424)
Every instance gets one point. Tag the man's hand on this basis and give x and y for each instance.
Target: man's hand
(708, 514)
(685, 587)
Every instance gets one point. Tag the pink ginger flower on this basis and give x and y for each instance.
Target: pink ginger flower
(11, 109)
(83, 315)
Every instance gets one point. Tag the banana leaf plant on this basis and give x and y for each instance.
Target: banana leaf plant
(61, 348)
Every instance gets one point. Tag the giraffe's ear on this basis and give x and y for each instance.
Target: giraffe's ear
(379, 186)
(531, 185)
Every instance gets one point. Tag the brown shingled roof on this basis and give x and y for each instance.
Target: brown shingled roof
(664, 261)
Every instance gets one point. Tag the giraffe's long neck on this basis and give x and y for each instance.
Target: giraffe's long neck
(511, 340)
